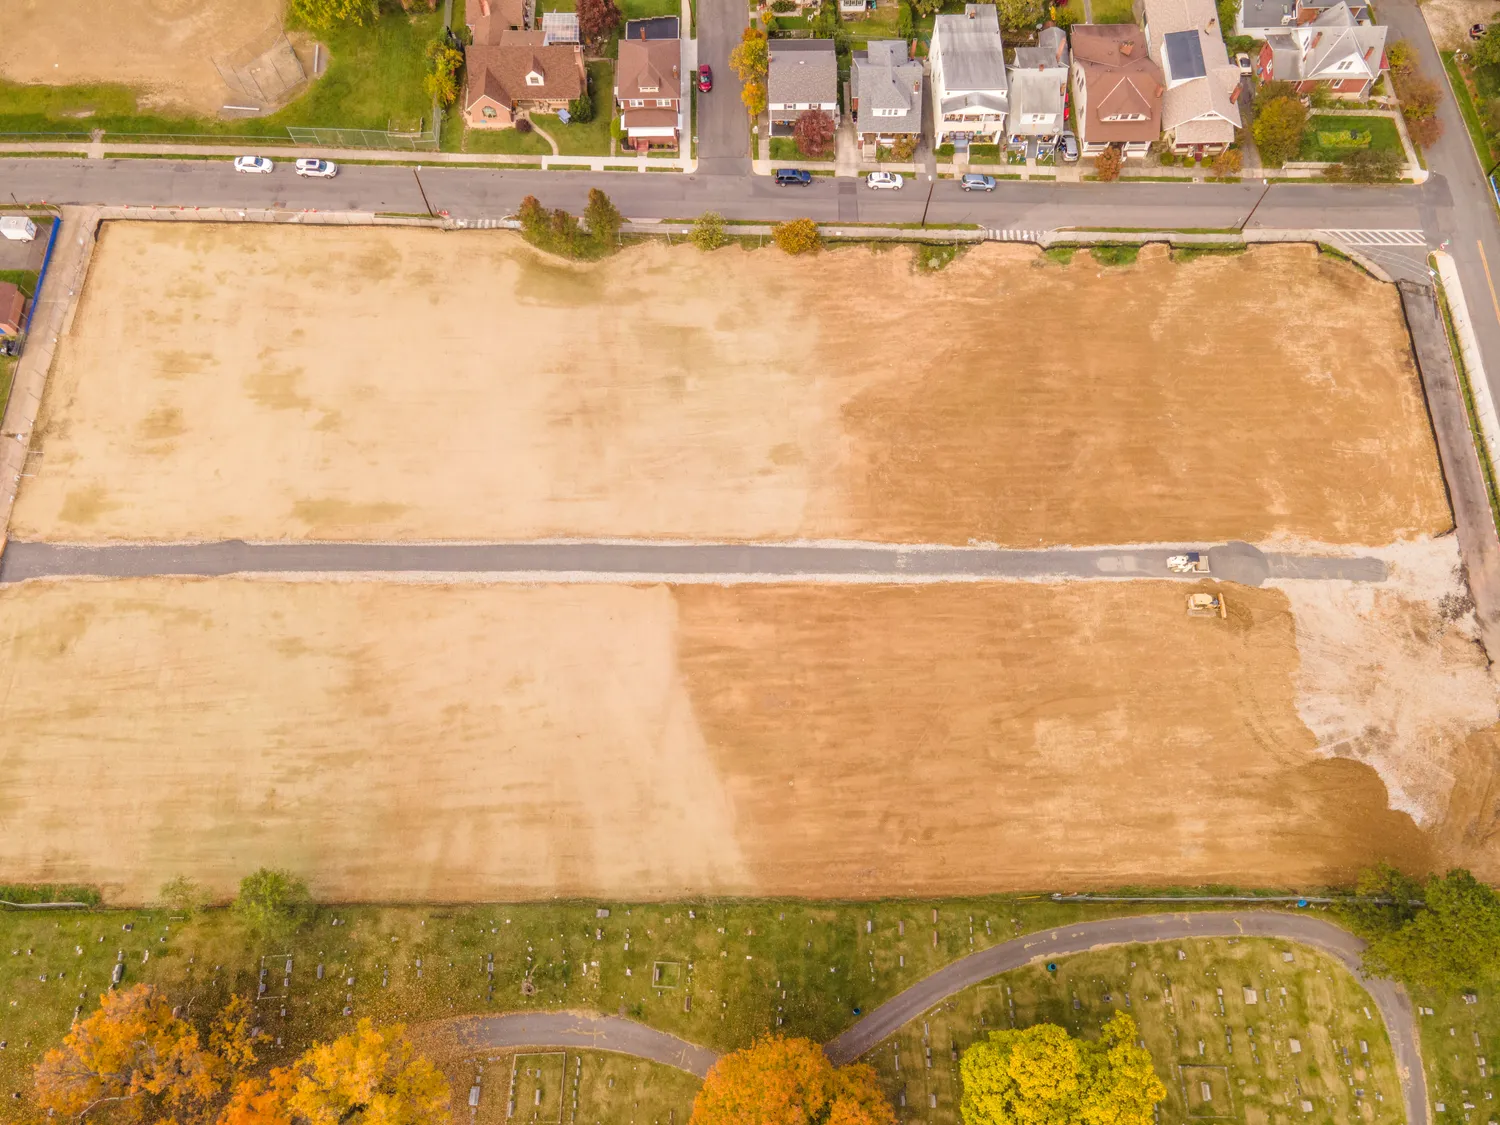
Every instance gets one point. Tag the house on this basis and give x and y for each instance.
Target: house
(648, 87)
(855, 7)
(804, 76)
(1117, 89)
(12, 309)
(559, 27)
(1257, 17)
(509, 79)
(887, 93)
(970, 91)
(1200, 109)
(1334, 51)
(1039, 89)
(486, 19)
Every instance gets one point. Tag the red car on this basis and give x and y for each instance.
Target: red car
(705, 79)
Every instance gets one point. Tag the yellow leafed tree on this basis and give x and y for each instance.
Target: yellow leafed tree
(779, 1081)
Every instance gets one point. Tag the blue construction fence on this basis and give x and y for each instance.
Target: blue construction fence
(41, 279)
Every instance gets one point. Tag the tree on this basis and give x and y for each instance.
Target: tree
(1278, 130)
(905, 147)
(1107, 164)
(133, 1055)
(231, 1038)
(905, 25)
(825, 24)
(581, 108)
(443, 64)
(533, 218)
(1424, 131)
(1227, 10)
(321, 15)
(598, 19)
(1487, 51)
(367, 1075)
(602, 217)
(1040, 1075)
(751, 57)
(1228, 163)
(183, 895)
(814, 132)
(778, 1081)
(272, 902)
(708, 231)
(797, 236)
(1015, 15)
(1452, 942)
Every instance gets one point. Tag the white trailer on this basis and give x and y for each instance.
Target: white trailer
(18, 228)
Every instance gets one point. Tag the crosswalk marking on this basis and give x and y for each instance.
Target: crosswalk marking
(480, 224)
(1012, 235)
(1379, 237)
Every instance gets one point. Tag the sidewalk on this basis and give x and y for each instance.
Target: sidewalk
(379, 156)
(49, 323)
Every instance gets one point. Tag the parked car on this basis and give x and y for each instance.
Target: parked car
(792, 177)
(884, 181)
(1067, 145)
(1476, 31)
(705, 79)
(323, 169)
(973, 181)
(252, 164)
(1242, 60)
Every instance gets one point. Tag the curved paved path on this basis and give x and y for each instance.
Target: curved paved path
(618, 561)
(612, 1033)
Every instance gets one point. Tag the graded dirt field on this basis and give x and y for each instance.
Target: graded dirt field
(471, 741)
(163, 47)
(1449, 20)
(293, 382)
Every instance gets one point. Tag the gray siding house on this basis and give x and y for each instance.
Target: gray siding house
(804, 77)
(887, 93)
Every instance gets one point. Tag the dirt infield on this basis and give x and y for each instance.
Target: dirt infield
(387, 383)
(411, 741)
(163, 47)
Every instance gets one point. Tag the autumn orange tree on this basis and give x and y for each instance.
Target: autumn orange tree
(778, 1081)
(133, 1060)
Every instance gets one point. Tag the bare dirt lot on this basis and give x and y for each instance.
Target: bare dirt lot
(164, 47)
(1450, 20)
(246, 381)
(399, 741)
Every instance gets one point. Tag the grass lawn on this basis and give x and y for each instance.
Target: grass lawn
(611, 1089)
(1110, 11)
(591, 139)
(507, 142)
(734, 998)
(785, 149)
(7, 376)
(1466, 107)
(1320, 141)
(24, 280)
(1195, 1019)
(373, 81)
(1455, 1038)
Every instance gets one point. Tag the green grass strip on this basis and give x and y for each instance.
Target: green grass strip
(1486, 466)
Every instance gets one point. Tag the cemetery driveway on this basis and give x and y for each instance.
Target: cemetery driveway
(612, 1033)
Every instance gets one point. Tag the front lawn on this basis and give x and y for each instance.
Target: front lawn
(591, 139)
(1331, 138)
(1110, 11)
(373, 81)
(24, 280)
(506, 142)
(784, 149)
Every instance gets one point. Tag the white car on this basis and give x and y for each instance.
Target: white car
(252, 164)
(323, 169)
(887, 181)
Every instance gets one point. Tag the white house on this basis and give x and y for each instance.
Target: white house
(970, 91)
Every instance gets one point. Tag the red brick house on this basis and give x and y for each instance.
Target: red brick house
(1332, 50)
(648, 91)
(511, 78)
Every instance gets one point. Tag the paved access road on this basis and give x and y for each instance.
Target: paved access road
(657, 561)
(610, 1033)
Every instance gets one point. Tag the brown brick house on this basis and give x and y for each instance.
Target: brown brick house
(648, 88)
(510, 78)
(12, 309)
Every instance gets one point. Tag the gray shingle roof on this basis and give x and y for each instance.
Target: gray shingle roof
(803, 70)
(884, 78)
(973, 53)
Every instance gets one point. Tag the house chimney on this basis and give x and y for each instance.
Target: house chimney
(1234, 95)
(1127, 48)
(484, 8)
(1368, 52)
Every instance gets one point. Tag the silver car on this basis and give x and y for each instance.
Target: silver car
(973, 181)
(1067, 145)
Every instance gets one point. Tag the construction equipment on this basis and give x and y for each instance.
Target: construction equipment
(1208, 605)
(1190, 562)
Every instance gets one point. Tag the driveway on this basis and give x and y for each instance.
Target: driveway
(611, 1033)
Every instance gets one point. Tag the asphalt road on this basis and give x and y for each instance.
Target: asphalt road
(610, 1033)
(658, 561)
(723, 126)
(476, 193)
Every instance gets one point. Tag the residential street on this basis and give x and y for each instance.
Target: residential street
(723, 128)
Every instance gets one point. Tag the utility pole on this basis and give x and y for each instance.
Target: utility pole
(931, 183)
(416, 172)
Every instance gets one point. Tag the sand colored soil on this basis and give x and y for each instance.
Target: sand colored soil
(163, 47)
(470, 741)
(1449, 20)
(270, 382)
